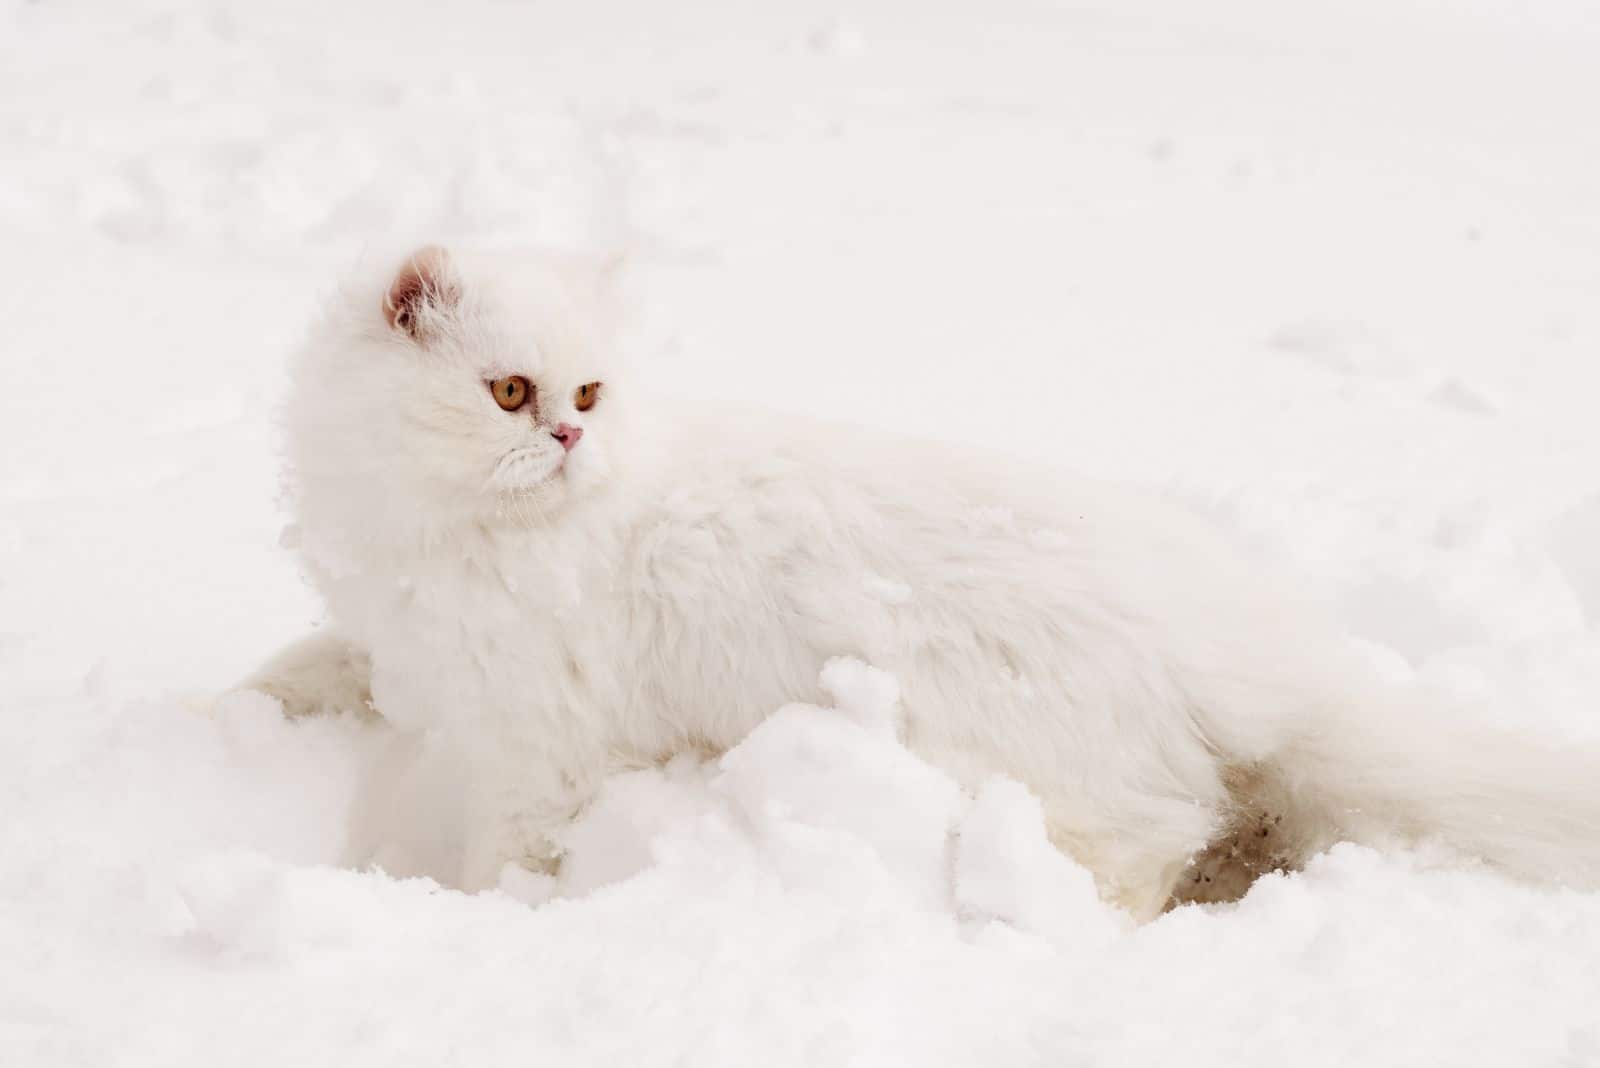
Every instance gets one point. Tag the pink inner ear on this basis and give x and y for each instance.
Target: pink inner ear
(425, 279)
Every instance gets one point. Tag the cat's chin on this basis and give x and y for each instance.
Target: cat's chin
(532, 505)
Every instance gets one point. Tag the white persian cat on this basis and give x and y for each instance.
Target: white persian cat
(553, 579)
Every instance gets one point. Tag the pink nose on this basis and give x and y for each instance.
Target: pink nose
(567, 434)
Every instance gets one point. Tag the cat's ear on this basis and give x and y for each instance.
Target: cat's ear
(425, 286)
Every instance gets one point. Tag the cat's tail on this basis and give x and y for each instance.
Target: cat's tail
(1395, 770)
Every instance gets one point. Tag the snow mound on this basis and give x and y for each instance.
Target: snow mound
(830, 801)
(818, 895)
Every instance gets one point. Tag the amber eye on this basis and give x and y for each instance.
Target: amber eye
(586, 396)
(510, 393)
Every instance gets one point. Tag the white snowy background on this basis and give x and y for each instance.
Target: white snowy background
(1330, 273)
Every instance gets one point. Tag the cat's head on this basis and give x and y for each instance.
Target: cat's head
(456, 388)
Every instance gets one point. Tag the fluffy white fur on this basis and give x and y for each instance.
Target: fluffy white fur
(546, 618)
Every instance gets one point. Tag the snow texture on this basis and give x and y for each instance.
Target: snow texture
(1325, 275)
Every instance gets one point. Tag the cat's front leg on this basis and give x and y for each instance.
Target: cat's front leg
(319, 674)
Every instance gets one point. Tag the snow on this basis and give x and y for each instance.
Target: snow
(1325, 275)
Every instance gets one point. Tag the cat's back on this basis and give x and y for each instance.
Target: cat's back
(775, 488)
(853, 535)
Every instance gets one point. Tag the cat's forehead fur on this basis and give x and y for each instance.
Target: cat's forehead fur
(521, 314)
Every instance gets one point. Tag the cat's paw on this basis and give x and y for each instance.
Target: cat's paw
(528, 886)
(291, 704)
(297, 703)
(509, 858)
(483, 870)
(320, 675)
